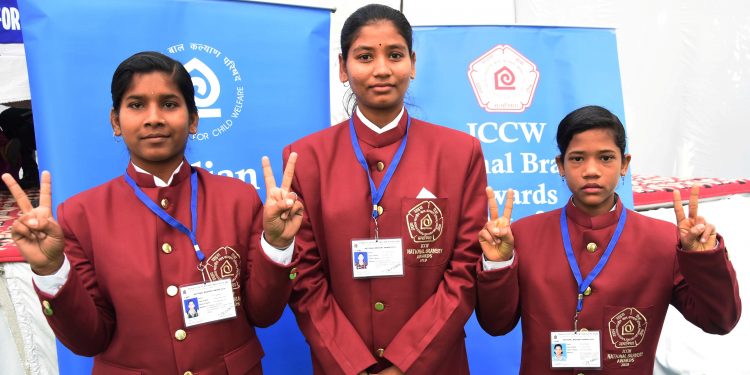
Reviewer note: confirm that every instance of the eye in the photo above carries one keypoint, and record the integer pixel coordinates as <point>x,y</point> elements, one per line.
<point>170,105</point>
<point>607,157</point>
<point>135,105</point>
<point>575,158</point>
<point>364,57</point>
<point>396,55</point>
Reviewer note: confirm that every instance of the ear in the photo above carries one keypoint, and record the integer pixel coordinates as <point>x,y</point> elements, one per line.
<point>115,121</point>
<point>193,124</point>
<point>343,77</point>
<point>413,65</point>
<point>625,165</point>
<point>560,165</point>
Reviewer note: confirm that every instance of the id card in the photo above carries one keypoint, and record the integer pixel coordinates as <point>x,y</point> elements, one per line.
<point>207,302</point>
<point>580,349</point>
<point>377,258</point>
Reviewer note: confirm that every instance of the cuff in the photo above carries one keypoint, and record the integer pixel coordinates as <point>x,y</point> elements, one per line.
<point>488,265</point>
<point>280,256</point>
<point>51,284</point>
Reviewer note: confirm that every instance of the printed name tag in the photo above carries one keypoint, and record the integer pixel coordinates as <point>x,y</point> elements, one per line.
<point>580,349</point>
<point>377,258</point>
<point>207,302</point>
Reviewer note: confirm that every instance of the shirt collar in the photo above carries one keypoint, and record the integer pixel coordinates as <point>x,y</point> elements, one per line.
<point>391,125</point>
<point>158,181</point>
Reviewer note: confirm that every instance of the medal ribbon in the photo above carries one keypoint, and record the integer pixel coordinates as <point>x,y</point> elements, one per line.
<point>583,284</point>
<point>377,194</point>
<point>167,217</point>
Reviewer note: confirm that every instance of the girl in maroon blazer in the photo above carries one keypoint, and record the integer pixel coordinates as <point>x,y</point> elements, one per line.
<point>404,196</point>
<point>595,278</point>
<point>117,273</point>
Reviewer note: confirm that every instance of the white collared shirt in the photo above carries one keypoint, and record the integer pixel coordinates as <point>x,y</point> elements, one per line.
<point>391,125</point>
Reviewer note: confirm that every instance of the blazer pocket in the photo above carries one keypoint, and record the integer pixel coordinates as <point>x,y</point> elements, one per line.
<point>104,367</point>
<point>422,232</point>
<point>244,359</point>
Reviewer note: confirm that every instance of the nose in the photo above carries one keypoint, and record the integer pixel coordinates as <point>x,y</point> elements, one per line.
<point>381,68</point>
<point>591,168</point>
<point>154,116</point>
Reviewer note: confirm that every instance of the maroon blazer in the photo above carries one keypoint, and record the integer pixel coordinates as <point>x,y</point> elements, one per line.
<point>115,304</point>
<point>416,321</point>
<point>629,299</point>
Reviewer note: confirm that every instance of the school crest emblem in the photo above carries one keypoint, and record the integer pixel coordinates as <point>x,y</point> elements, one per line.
<point>503,80</point>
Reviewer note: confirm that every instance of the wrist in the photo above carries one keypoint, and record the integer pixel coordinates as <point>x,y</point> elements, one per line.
<point>277,243</point>
<point>48,269</point>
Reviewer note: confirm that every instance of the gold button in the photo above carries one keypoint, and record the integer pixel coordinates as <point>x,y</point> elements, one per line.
<point>379,306</point>
<point>188,373</point>
<point>293,273</point>
<point>180,334</point>
<point>583,330</point>
<point>380,352</point>
<point>47,308</point>
<point>380,209</point>
<point>172,290</point>
<point>591,247</point>
<point>164,203</point>
<point>587,292</point>
<point>380,166</point>
<point>166,248</point>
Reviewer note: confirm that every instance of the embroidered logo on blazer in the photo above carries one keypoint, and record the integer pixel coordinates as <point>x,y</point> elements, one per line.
<point>224,263</point>
<point>425,222</point>
<point>627,328</point>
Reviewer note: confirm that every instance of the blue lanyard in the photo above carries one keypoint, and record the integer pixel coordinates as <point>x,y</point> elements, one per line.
<point>377,194</point>
<point>582,285</point>
<point>168,218</point>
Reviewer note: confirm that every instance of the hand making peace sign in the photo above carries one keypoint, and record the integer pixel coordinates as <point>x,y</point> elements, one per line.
<point>282,213</point>
<point>37,235</point>
<point>695,233</point>
<point>496,238</point>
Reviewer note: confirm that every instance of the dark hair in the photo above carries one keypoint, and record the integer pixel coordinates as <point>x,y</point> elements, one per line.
<point>587,118</point>
<point>369,14</point>
<point>558,345</point>
<point>147,62</point>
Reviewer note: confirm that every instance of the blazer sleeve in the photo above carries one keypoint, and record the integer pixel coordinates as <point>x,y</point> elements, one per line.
<point>498,298</point>
<point>438,324</point>
<point>82,318</point>
<point>268,284</point>
<point>705,289</point>
<point>333,340</point>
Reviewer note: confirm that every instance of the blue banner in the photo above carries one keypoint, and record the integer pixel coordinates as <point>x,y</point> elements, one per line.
<point>261,77</point>
<point>10,22</point>
<point>509,87</point>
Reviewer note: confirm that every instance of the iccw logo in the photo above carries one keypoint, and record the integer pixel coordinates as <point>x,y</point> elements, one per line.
<point>219,92</point>
<point>503,80</point>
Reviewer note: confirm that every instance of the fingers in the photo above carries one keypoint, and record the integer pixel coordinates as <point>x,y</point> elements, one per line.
<point>45,191</point>
<point>508,210</point>
<point>268,174</point>
<point>693,205</point>
<point>286,181</point>
<point>492,203</point>
<point>21,199</point>
<point>679,213</point>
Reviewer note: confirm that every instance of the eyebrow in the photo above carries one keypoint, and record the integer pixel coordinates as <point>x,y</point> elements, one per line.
<point>160,96</point>
<point>369,48</point>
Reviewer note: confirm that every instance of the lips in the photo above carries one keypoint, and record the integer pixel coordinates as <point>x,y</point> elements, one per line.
<point>592,188</point>
<point>155,136</point>
<point>382,86</point>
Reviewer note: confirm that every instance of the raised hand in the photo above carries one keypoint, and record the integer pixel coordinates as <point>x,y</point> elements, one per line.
<point>496,238</point>
<point>695,232</point>
<point>37,235</point>
<point>282,213</point>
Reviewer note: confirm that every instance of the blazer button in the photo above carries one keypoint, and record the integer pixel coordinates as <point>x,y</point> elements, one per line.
<point>380,165</point>
<point>172,290</point>
<point>164,203</point>
<point>587,292</point>
<point>293,273</point>
<point>380,352</point>
<point>188,373</point>
<point>47,308</point>
<point>379,306</point>
<point>591,247</point>
<point>378,208</point>
<point>166,248</point>
<point>180,334</point>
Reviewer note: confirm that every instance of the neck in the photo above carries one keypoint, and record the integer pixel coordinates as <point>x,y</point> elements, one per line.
<point>381,117</point>
<point>163,169</point>
<point>602,208</point>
